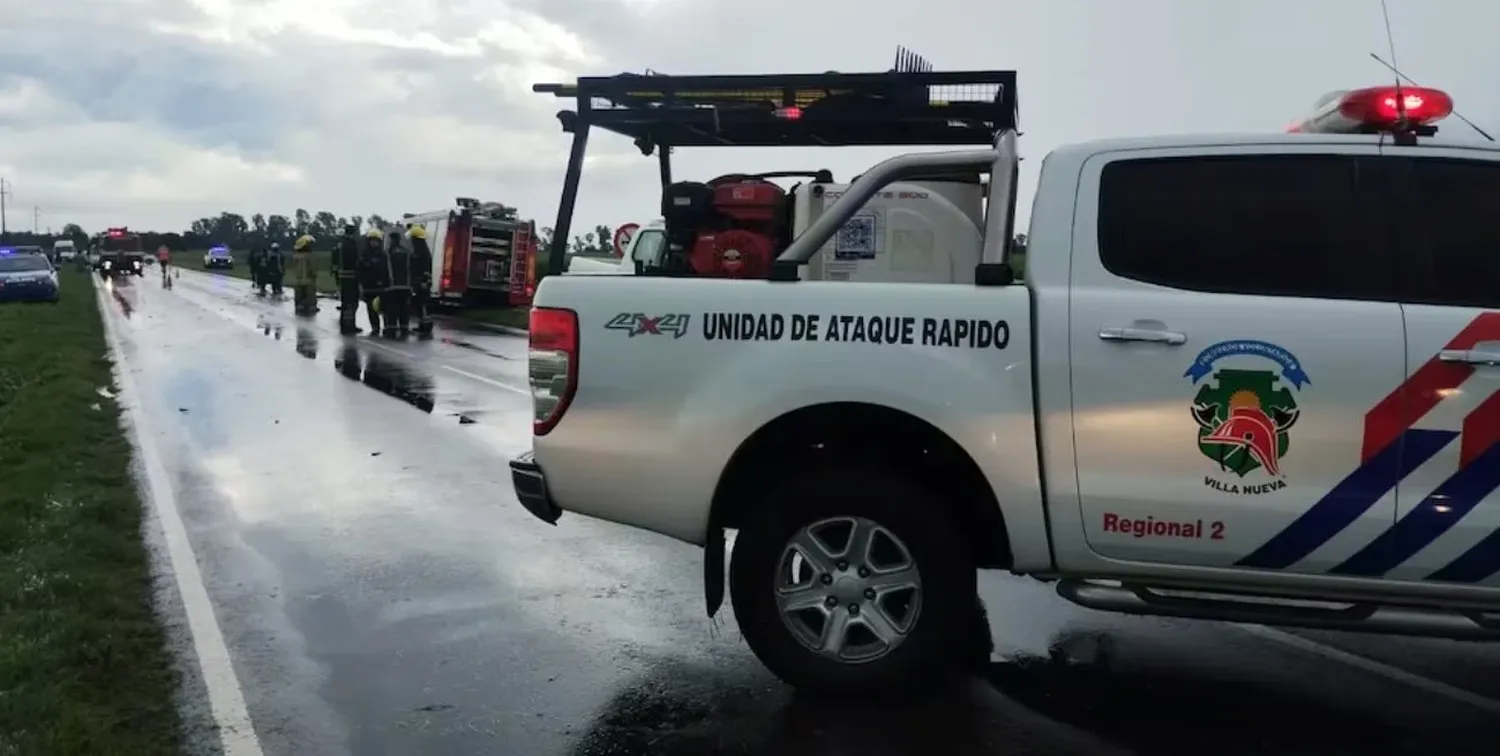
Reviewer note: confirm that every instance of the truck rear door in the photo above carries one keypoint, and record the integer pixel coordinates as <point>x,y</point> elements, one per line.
<point>1448,512</point>
<point>1232,321</point>
<point>491,250</point>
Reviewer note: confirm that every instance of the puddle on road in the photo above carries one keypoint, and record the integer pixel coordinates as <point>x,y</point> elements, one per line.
<point>356,359</point>
<point>389,377</point>
<point>680,709</point>
<point>1190,709</point>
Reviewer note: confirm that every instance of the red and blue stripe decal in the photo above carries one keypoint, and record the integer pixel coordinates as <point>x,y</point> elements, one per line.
<point>1392,449</point>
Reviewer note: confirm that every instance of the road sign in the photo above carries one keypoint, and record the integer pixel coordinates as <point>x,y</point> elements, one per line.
<point>623,235</point>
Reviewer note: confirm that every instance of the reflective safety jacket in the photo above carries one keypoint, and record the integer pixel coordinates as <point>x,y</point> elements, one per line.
<point>303,270</point>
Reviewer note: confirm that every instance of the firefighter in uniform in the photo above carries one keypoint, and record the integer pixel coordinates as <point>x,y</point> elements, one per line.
<point>257,254</point>
<point>346,271</point>
<point>272,269</point>
<point>421,279</point>
<point>374,276</point>
<point>396,301</point>
<point>304,277</point>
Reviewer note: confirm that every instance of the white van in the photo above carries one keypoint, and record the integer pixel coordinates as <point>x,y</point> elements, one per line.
<point>64,250</point>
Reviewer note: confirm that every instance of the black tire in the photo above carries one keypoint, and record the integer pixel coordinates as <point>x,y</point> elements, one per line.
<point>937,645</point>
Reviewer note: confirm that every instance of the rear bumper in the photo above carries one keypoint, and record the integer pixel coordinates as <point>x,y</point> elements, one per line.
<point>27,294</point>
<point>531,489</point>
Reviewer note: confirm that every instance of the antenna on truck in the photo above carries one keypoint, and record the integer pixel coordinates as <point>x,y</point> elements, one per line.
<point>1390,41</point>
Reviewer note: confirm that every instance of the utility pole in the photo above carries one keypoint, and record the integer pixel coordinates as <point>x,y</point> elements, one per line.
<point>36,218</point>
<point>3,191</point>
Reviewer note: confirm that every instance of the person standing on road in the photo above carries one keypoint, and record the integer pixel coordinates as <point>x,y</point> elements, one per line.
<point>397,299</point>
<point>272,268</point>
<point>421,278</point>
<point>304,277</point>
<point>253,260</point>
<point>374,276</point>
<point>163,260</point>
<point>346,271</point>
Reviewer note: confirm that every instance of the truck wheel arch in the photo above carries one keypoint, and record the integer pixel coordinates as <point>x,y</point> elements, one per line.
<point>840,432</point>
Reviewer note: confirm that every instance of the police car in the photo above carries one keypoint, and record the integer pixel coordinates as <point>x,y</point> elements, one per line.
<point>1252,378</point>
<point>218,258</point>
<point>27,277</point>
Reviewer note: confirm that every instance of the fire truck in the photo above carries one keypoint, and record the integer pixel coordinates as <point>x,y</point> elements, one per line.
<point>481,254</point>
<point>119,252</point>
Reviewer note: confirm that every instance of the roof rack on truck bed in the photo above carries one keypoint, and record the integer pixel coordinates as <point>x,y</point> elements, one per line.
<point>894,108</point>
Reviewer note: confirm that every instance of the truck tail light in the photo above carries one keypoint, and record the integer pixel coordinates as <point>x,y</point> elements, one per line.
<point>552,363</point>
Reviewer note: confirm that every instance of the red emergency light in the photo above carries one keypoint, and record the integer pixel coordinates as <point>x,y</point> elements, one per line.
<point>1376,109</point>
<point>791,113</point>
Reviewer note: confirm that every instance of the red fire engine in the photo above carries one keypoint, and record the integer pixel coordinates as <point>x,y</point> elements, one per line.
<point>481,254</point>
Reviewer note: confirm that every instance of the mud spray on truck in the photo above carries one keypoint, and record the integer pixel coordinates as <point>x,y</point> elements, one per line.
<point>1216,391</point>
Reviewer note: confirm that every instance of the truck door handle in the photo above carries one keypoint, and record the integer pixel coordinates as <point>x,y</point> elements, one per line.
<point>1470,356</point>
<point>1170,338</point>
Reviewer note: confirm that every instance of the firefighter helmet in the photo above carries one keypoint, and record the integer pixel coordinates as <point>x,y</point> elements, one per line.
<point>417,232</point>
<point>303,242</point>
<point>373,233</point>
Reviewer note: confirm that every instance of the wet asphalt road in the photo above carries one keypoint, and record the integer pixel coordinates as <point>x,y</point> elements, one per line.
<point>381,592</point>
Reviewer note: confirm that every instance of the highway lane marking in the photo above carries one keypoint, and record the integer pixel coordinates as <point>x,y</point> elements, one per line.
<point>1426,684</point>
<point>226,697</point>
<point>450,368</point>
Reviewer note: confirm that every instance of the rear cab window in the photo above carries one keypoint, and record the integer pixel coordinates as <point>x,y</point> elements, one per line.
<point>646,247</point>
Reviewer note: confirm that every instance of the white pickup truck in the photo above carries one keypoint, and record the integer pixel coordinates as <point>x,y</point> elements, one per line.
<point>1247,378</point>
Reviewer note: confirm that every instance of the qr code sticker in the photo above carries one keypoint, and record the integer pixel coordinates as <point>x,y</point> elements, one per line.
<point>857,239</point>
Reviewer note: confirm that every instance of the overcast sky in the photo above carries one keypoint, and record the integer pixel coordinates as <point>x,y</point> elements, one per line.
<point>154,112</point>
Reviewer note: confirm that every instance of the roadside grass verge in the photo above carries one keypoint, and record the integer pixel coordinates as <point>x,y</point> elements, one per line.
<point>84,667</point>
<point>194,261</point>
<point>515,317</point>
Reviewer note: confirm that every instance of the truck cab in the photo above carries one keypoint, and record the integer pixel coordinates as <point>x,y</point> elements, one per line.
<point>1217,392</point>
<point>120,253</point>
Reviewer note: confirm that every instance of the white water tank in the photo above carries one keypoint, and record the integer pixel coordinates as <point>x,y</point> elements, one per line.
<point>914,232</point>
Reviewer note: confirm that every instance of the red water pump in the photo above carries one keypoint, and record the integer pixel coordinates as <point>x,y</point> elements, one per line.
<point>731,227</point>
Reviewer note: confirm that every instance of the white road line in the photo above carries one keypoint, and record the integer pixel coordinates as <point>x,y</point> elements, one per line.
<point>226,698</point>
<point>1426,684</point>
<point>400,353</point>
<point>464,373</point>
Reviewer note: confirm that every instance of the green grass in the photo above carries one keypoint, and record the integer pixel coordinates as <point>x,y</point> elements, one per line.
<point>515,317</point>
<point>83,663</point>
<point>194,261</point>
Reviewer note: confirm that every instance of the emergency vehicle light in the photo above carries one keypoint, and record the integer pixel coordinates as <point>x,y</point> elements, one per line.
<point>1389,108</point>
<point>790,113</point>
<point>7,252</point>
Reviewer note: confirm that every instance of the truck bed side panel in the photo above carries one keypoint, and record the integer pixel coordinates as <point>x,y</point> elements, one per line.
<point>659,412</point>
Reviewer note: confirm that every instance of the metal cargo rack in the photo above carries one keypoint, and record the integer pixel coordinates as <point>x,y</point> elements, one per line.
<point>895,108</point>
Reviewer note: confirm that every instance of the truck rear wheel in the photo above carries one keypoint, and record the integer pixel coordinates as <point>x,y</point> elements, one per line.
<point>854,583</point>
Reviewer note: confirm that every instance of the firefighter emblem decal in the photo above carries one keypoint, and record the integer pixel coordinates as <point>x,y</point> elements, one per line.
<point>1245,411</point>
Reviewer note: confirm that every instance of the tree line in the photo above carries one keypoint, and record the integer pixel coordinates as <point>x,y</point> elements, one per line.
<point>240,232</point>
